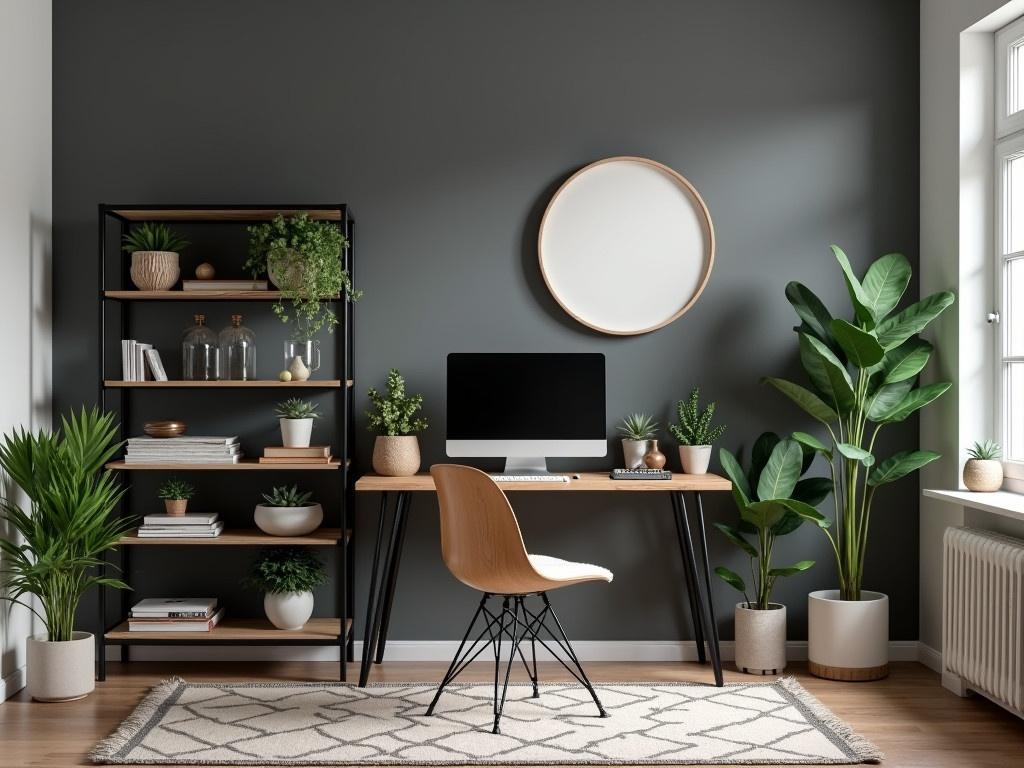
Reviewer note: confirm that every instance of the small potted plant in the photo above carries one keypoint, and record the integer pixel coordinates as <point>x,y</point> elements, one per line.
<point>296,418</point>
<point>176,494</point>
<point>638,430</point>
<point>154,248</point>
<point>287,512</point>
<point>396,451</point>
<point>983,472</point>
<point>695,433</point>
<point>773,501</point>
<point>286,577</point>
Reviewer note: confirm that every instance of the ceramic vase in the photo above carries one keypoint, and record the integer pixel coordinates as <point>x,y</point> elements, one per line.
<point>61,671</point>
<point>848,639</point>
<point>296,433</point>
<point>288,610</point>
<point>761,639</point>
<point>654,458</point>
<point>396,456</point>
<point>154,270</point>
<point>633,452</point>
<point>695,459</point>
<point>983,475</point>
<point>288,521</point>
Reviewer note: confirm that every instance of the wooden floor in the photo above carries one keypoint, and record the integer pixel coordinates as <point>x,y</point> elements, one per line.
<point>909,715</point>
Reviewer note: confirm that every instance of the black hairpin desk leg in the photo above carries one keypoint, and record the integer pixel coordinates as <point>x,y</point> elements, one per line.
<point>690,575</point>
<point>371,601</point>
<point>394,558</point>
<point>708,613</point>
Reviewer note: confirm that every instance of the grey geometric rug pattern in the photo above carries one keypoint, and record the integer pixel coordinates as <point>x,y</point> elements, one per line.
<point>336,724</point>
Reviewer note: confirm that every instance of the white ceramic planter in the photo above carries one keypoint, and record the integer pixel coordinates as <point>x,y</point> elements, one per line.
<point>288,610</point>
<point>397,456</point>
<point>983,475</point>
<point>295,433</point>
<point>61,671</point>
<point>288,521</point>
<point>633,452</point>
<point>761,639</point>
<point>848,639</point>
<point>695,459</point>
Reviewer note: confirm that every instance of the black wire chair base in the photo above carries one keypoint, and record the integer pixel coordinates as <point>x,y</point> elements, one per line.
<point>516,624</point>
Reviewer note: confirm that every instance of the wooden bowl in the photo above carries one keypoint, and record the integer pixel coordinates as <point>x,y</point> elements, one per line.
<point>168,428</point>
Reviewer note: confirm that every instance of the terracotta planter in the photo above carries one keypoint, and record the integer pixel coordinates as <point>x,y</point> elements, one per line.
<point>61,671</point>
<point>288,610</point>
<point>175,507</point>
<point>695,459</point>
<point>983,475</point>
<point>633,452</point>
<point>397,456</point>
<point>761,639</point>
<point>848,639</point>
<point>288,521</point>
<point>296,433</point>
<point>154,270</point>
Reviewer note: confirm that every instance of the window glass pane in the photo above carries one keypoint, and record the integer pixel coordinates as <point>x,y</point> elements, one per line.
<point>1014,412</point>
<point>1014,205</point>
<point>1013,307</point>
<point>1015,78</point>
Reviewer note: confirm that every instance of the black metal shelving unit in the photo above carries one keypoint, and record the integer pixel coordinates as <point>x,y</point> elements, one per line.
<point>336,631</point>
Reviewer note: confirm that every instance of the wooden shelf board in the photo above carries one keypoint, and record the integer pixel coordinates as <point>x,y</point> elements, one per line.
<point>243,537</point>
<point>245,464</point>
<point>200,296</point>
<point>253,384</point>
<point>221,214</point>
<point>242,631</point>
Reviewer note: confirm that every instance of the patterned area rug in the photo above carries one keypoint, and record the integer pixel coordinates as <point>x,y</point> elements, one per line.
<point>335,724</point>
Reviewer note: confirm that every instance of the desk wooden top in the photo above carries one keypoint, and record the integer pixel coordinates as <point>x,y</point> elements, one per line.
<point>582,481</point>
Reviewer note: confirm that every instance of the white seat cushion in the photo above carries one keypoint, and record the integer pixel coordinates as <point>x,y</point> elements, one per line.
<point>564,570</point>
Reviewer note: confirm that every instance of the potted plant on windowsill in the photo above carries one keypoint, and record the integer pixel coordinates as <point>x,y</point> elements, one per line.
<point>296,417</point>
<point>155,249</point>
<point>638,430</point>
<point>287,512</point>
<point>773,500</point>
<point>286,577</point>
<point>176,494</point>
<point>862,377</point>
<point>57,543</point>
<point>983,472</point>
<point>695,433</point>
<point>396,451</point>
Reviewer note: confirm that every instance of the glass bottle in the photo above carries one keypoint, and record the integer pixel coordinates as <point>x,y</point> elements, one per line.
<point>238,351</point>
<point>200,358</point>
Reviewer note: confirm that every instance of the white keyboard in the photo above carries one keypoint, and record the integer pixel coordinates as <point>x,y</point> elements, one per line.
<point>530,478</point>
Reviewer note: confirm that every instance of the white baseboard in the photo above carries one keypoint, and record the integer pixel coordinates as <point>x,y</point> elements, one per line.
<point>13,683</point>
<point>929,657</point>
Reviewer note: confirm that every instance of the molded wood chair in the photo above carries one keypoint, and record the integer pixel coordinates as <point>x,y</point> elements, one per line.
<point>483,548</point>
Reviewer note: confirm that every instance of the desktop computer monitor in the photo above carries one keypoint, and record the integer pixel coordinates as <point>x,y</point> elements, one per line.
<point>525,407</point>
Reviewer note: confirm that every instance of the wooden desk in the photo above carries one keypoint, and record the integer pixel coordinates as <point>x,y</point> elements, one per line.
<point>384,573</point>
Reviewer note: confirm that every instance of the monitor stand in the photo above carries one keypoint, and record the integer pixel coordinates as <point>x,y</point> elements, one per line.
<point>525,465</point>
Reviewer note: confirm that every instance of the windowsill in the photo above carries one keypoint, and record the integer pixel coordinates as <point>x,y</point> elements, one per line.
<point>1005,503</point>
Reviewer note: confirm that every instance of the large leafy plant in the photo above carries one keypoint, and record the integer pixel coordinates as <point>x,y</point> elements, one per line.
<point>393,413</point>
<point>773,500</point>
<point>68,524</point>
<point>862,375</point>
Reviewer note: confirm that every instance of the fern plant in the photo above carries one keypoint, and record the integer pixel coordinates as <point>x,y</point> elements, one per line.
<point>153,236</point>
<point>639,426</point>
<point>283,496</point>
<point>175,489</point>
<point>694,426</point>
<point>296,408</point>
<point>987,451</point>
<point>393,413</point>
<point>285,570</point>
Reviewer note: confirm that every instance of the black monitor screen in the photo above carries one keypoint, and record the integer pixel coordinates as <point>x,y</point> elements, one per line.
<point>529,396</point>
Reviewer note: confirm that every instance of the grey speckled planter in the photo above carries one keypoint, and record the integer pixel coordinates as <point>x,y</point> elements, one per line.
<point>397,456</point>
<point>61,671</point>
<point>761,639</point>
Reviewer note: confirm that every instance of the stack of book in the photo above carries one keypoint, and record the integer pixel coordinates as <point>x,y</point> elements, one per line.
<point>175,614</point>
<point>140,362</point>
<point>314,454</point>
<point>205,525</point>
<point>223,285</point>
<point>183,450</point>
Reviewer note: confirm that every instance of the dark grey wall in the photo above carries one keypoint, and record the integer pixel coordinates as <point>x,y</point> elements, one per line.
<point>447,126</point>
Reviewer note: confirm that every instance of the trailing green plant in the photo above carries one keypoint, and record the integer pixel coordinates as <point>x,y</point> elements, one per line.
<point>57,542</point>
<point>304,255</point>
<point>694,426</point>
<point>286,569</point>
<point>987,451</point>
<point>154,236</point>
<point>175,489</point>
<point>283,496</point>
<point>862,375</point>
<point>296,408</point>
<point>393,413</point>
<point>773,499</point>
<point>639,426</point>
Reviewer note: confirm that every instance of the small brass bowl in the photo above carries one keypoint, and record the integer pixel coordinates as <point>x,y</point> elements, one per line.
<point>169,428</point>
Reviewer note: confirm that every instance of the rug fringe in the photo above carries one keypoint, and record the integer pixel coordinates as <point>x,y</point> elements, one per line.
<point>863,748</point>
<point>106,750</point>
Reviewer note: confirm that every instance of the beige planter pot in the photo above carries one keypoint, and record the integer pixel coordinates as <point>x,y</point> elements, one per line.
<point>175,507</point>
<point>761,639</point>
<point>695,459</point>
<point>848,639</point>
<point>154,270</point>
<point>633,452</point>
<point>288,521</point>
<point>983,475</point>
<point>61,671</point>
<point>397,456</point>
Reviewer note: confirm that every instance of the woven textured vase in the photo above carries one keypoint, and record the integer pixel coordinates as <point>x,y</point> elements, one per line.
<point>396,456</point>
<point>155,270</point>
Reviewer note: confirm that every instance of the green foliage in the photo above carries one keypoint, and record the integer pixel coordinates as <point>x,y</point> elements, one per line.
<point>150,236</point>
<point>176,489</point>
<point>69,524</point>
<point>305,257</point>
<point>694,427</point>
<point>861,377</point>
<point>283,496</point>
<point>296,408</point>
<point>392,414</point>
<point>639,426</point>
<point>286,569</point>
<point>987,451</point>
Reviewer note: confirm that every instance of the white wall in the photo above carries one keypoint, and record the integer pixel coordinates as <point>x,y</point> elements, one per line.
<point>25,216</point>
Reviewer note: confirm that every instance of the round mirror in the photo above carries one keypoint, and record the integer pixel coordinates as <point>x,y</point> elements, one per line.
<point>626,245</point>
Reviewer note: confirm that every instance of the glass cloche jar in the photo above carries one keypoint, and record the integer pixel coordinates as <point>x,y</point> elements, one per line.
<point>200,356</point>
<point>238,351</point>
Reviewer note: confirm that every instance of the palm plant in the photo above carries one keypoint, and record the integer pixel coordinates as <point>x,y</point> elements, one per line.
<point>150,236</point>
<point>639,426</point>
<point>68,525</point>
<point>862,377</point>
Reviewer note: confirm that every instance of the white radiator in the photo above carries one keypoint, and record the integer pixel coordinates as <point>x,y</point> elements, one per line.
<point>983,615</point>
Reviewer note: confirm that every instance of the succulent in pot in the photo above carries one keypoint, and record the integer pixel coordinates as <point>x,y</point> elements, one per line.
<point>694,433</point>
<point>396,451</point>
<point>638,430</point>
<point>287,512</point>
<point>176,494</point>
<point>983,471</point>
<point>296,417</point>
<point>286,576</point>
<point>154,248</point>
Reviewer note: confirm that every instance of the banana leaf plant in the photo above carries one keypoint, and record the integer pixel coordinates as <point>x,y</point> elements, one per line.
<point>861,378</point>
<point>773,499</point>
